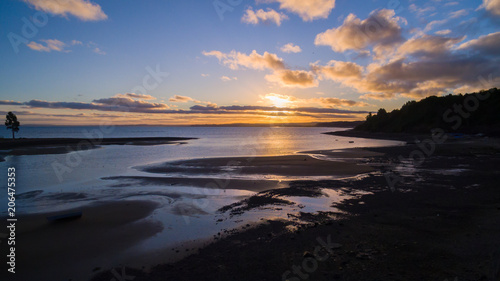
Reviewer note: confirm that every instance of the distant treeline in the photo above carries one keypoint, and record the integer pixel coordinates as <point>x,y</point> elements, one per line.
<point>470,113</point>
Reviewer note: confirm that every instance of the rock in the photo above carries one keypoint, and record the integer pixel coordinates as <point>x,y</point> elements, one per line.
<point>363,256</point>
<point>335,246</point>
<point>307,255</point>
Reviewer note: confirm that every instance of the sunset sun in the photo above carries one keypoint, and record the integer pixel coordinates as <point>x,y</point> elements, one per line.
<point>279,100</point>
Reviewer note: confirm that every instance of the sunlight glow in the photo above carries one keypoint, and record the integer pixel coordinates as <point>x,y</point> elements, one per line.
<point>280,100</point>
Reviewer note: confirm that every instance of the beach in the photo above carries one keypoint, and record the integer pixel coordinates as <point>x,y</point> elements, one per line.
<point>255,217</point>
<point>441,222</point>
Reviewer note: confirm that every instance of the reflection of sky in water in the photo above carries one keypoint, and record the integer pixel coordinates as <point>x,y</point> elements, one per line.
<point>36,172</point>
<point>84,185</point>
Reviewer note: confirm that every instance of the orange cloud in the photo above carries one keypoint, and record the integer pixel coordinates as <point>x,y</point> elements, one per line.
<point>82,9</point>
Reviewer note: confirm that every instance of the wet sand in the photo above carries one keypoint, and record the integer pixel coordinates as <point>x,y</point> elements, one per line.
<point>290,165</point>
<point>97,239</point>
<point>66,145</point>
<point>431,226</point>
<point>212,183</point>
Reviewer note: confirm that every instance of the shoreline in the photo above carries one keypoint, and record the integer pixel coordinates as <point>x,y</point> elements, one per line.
<point>37,142</point>
<point>447,224</point>
<point>40,146</point>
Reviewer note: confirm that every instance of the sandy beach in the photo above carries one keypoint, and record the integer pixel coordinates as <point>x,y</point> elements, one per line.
<point>40,146</point>
<point>52,250</point>
<point>441,222</point>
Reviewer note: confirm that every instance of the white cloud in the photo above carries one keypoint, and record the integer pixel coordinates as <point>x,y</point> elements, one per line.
<point>291,48</point>
<point>234,60</point>
<point>82,9</point>
<point>428,46</point>
<point>459,13</point>
<point>443,32</point>
<point>308,10</point>
<point>227,78</point>
<point>492,6</point>
<point>433,23</point>
<point>98,51</point>
<point>486,44</point>
<point>338,70</point>
<point>258,16</point>
<point>380,29</point>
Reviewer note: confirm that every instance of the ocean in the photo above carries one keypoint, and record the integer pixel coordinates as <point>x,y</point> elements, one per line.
<point>81,172</point>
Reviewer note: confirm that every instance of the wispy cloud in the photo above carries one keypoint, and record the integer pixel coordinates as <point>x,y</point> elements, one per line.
<point>50,45</point>
<point>82,9</point>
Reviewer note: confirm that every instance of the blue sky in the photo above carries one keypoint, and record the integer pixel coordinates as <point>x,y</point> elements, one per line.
<point>90,59</point>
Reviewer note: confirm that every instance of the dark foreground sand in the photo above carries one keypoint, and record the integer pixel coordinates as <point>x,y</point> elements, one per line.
<point>101,234</point>
<point>66,145</point>
<point>440,222</point>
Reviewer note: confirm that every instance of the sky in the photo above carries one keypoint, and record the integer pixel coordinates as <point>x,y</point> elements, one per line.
<point>165,62</point>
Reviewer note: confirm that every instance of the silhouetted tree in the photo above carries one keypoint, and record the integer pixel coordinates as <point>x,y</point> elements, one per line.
<point>12,123</point>
<point>445,112</point>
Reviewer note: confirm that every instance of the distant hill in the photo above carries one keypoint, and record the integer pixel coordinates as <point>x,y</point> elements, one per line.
<point>470,113</point>
<point>339,124</point>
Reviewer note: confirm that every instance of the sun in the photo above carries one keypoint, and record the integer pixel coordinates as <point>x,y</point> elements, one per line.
<point>279,100</point>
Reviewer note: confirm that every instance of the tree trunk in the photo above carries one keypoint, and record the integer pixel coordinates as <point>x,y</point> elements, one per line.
<point>13,137</point>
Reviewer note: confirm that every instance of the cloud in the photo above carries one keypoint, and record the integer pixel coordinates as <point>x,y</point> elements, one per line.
<point>428,46</point>
<point>98,51</point>
<point>330,102</point>
<point>492,6</point>
<point>178,98</point>
<point>130,103</point>
<point>281,74</point>
<point>234,60</point>
<point>443,32</point>
<point>82,9</point>
<point>308,10</point>
<point>205,75</point>
<point>486,44</point>
<point>50,45</point>
<point>459,13</point>
<point>227,78</point>
<point>269,16</point>
<point>293,78</point>
<point>433,23</point>
<point>291,48</point>
<point>339,70</point>
<point>381,29</point>
<point>250,108</point>
<point>423,78</point>
<point>123,105</point>
<point>136,96</point>
<point>421,11</point>
<point>10,102</point>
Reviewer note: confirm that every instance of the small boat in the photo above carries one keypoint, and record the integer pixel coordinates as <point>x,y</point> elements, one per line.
<point>64,217</point>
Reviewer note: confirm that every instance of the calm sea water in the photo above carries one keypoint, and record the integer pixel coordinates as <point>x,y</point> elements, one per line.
<point>83,171</point>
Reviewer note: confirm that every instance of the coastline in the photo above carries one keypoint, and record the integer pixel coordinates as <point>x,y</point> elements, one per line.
<point>442,219</point>
<point>40,146</point>
<point>449,199</point>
